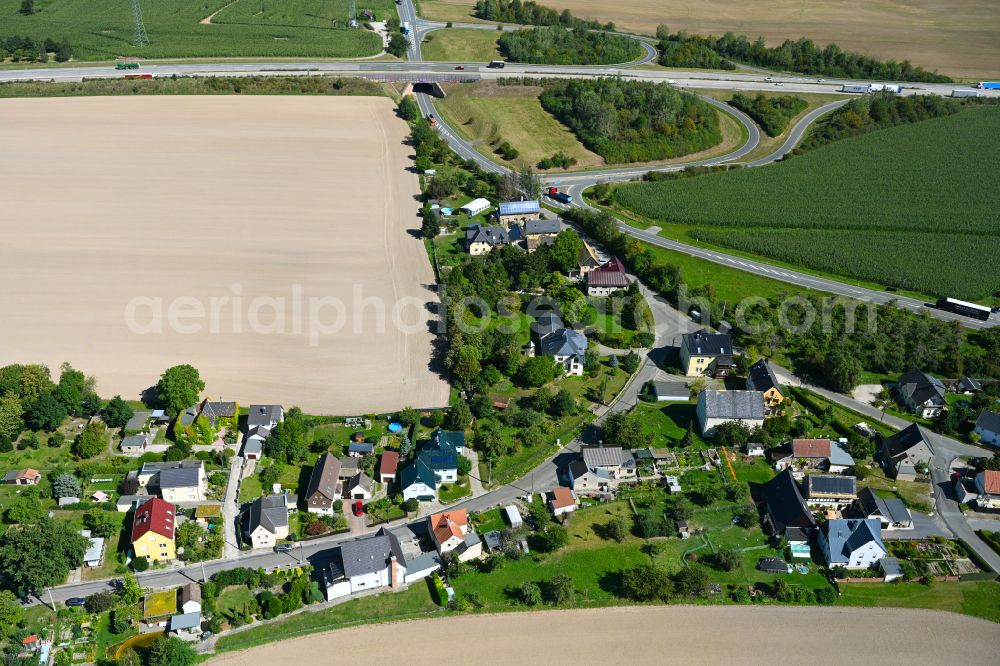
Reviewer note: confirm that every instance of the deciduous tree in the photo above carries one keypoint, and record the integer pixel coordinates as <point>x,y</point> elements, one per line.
<point>180,387</point>
<point>32,559</point>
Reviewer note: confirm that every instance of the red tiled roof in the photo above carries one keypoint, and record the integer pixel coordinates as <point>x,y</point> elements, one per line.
<point>449,524</point>
<point>811,448</point>
<point>611,274</point>
<point>562,497</point>
<point>33,638</point>
<point>28,474</point>
<point>991,482</point>
<point>389,462</point>
<point>156,516</point>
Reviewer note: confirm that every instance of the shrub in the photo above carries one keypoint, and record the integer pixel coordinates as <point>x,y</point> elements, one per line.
<point>140,564</point>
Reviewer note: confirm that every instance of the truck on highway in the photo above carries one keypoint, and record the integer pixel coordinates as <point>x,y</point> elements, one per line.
<point>885,87</point>
<point>496,64</point>
<point>126,65</point>
<point>855,88</point>
<point>964,92</point>
<point>964,308</point>
<point>988,85</point>
<point>561,197</point>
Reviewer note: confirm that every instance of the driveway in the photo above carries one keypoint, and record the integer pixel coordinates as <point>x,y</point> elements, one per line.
<point>231,509</point>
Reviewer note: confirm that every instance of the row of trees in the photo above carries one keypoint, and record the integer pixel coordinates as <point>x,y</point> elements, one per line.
<point>632,121</point>
<point>894,341</point>
<point>531,13</point>
<point>30,398</point>
<point>26,49</point>
<point>559,46</point>
<point>881,110</point>
<point>803,55</point>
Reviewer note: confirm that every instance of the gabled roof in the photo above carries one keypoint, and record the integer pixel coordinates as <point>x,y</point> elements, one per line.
<point>969,384</point>
<point>17,474</point>
<point>361,447</point>
<point>906,439</point>
<point>214,411</point>
<point>448,524</point>
<point>784,504</point>
<point>417,472</point>
<point>185,621</point>
<point>264,416</point>
<point>325,478</point>
<point>157,516</point>
<point>564,342</point>
<point>546,324</point>
<point>150,468</point>
<point>191,592</point>
<point>921,387</point>
<point>438,460</point>
<point>988,482</point>
<point>361,480</point>
<point>269,512</point>
<point>366,555</point>
<point>732,405</point>
<point>138,420</point>
<point>477,233</point>
<point>180,477</point>
<point>839,455</point>
<point>989,421</point>
<point>761,377</point>
<point>577,468</point>
<point>562,497</point>
<point>811,448</point>
<point>706,343</point>
<point>602,456</point>
<point>611,274</point>
<point>446,440</point>
<point>588,257</point>
<point>389,463</point>
<point>519,207</point>
<point>135,441</point>
<point>532,227</point>
<point>831,484</point>
<point>847,536</point>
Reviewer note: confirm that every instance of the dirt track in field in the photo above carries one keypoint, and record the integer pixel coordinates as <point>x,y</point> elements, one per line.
<point>270,235</point>
<point>955,37</point>
<point>656,635</point>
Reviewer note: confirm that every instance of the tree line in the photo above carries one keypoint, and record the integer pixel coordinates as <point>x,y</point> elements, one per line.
<point>895,341</point>
<point>26,49</point>
<point>577,46</point>
<point>772,113</point>
<point>880,110</point>
<point>531,13</point>
<point>632,121</point>
<point>803,55</point>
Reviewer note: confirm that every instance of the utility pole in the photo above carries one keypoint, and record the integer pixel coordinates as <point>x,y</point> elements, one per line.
<point>302,553</point>
<point>140,38</point>
<point>204,576</point>
<point>51,600</point>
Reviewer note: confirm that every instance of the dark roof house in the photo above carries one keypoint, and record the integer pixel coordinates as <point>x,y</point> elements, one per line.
<point>324,484</point>
<point>762,378</point>
<point>610,275</point>
<point>783,506</point>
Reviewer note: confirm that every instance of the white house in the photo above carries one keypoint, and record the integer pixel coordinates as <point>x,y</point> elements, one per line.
<point>988,428</point>
<point>135,445</point>
<point>582,479</point>
<point>854,543</point>
<point>383,560</point>
<point>360,487</point>
<point>417,481</point>
<point>451,533</point>
<point>563,501</point>
<point>717,407</point>
<point>191,598</point>
<point>266,521</point>
<point>261,419</point>
<point>607,278</point>
<point>179,481</point>
<point>566,346</point>
<point>609,462</point>
<point>922,394</point>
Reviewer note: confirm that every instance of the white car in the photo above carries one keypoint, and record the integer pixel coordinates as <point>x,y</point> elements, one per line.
<point>768,78</point>
<point>779,83</point>
<point>820,80</point>
<point>671,82</point>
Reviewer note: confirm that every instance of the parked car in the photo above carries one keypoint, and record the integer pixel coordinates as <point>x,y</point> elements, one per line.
<point>75,601</point>
<point>359,508</point>
<point>283,548</point>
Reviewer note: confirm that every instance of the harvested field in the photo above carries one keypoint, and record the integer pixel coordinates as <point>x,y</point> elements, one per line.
<point>955,37</point>
<point>743,635</point>
<point>260,239</point>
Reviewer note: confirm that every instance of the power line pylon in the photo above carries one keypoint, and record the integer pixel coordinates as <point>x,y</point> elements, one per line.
<point>140,38</point>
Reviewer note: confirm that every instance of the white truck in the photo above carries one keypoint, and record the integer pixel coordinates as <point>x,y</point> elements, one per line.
<point>965,92</point>
<point>885,87</point>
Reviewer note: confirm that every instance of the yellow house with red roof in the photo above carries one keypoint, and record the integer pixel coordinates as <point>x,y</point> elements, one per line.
<point>153,530</point>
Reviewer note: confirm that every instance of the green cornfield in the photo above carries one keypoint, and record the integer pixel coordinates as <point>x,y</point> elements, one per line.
<point>103,29</point>
<point>913,206</point>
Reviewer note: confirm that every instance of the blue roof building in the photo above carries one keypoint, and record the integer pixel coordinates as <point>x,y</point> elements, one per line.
<point>518,209</point>
<point>447,440</point>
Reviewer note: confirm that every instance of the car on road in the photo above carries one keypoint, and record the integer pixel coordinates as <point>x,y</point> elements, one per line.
<point>359,508</point>
<point>768,79</point>
<point>75,601</point>
<point>283,548</point>
<point>459,68</point>
<point>820,80</point>
<point>779,83</point>
<point>671,82</point>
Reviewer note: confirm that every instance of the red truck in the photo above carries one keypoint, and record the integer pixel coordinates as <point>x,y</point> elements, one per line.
<point>561,197</point>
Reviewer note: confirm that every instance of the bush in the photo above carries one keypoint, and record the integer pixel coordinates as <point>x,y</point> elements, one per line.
<point>101,602</point>
<point>559,160</point>
<point>140,564</point>
<point>507,151</point>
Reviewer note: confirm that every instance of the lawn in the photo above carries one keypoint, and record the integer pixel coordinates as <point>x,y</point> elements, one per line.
<point>972,598</point>
<point>103,29</point>
<point>807,210</point>
<point>461,45</point>
<point>234,596</point>
<point>489,114</point>
<point>666,425</point>
<point>489,521</point>
<point>386,607</point>
<point>455,491</point>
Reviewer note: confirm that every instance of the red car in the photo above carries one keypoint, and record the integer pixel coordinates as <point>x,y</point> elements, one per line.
<point>460,68</point>
<point>359,508</point>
